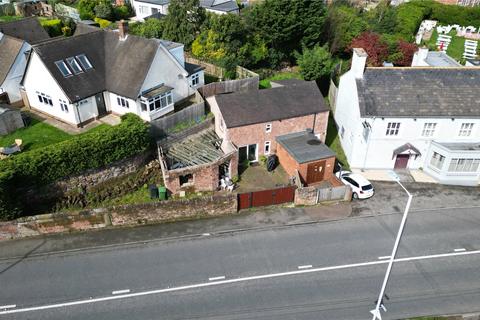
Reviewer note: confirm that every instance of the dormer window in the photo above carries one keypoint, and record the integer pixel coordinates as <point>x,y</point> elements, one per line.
<point>86,65</point>
<point>63,68</point>
<point>74,65</point>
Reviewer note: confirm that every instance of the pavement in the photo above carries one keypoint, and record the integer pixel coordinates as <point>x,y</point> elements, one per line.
<point>328,270</point>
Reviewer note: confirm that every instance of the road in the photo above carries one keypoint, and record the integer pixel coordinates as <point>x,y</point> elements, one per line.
<point>327,270</point>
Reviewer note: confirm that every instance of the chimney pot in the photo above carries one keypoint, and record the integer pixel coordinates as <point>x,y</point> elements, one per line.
<point>123,29</point>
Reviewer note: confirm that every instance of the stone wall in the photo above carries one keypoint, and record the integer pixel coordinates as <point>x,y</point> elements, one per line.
<point>10,120</point>
<point>127,215</point>
<point>308,196</point>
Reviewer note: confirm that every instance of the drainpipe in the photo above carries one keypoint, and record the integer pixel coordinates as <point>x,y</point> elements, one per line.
<point>368,145</point>
<point>78,114</point>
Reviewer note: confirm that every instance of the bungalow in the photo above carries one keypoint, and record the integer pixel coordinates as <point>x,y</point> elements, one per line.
<point>252,120</point>
<point>147,8</point>
<point>411,118</point>
<point>16,39</point>
<point>97,71</point>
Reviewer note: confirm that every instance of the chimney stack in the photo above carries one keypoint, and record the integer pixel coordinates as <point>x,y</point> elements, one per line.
<point>359,60</point>
<point>123,29</point>
<point>419,57</point>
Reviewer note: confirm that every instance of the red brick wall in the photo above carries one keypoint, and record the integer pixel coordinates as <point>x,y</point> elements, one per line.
<point>255,133</point>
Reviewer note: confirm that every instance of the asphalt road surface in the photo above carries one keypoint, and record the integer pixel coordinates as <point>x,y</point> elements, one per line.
<point>328,270</point>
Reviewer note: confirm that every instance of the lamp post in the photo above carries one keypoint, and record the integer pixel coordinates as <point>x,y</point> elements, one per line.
<point>379,303</point>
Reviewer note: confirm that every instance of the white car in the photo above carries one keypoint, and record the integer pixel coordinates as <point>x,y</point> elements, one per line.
<point>361,187</point>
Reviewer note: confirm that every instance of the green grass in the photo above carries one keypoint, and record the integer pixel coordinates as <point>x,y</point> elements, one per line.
<point>456,47</point>
<point>39,134</point>
<point>265,83</point>
<point>9,18</point>
<point>333,142</point>
<point>142,195</point>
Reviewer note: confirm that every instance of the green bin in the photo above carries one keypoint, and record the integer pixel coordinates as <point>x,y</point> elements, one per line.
<point>162,193</point>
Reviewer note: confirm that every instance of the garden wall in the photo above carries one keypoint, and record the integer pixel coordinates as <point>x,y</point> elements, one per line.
<point>127,215</point>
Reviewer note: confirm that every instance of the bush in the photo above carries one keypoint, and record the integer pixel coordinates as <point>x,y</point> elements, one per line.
<point>52,26</point>
<point>43,166</point>
<point>103,10</point>
<point>103,23</point>
<point>122,12</point>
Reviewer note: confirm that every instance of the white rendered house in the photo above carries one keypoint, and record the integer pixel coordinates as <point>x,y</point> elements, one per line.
<point>411,118</point>
<point>84,77</point>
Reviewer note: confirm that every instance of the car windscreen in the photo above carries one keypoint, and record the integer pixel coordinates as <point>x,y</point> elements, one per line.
<point>367,187</point>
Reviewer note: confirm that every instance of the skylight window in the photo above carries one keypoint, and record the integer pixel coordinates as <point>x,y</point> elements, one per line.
<point>63,68</point>
<point>74,65</point>
<point>84,61</point>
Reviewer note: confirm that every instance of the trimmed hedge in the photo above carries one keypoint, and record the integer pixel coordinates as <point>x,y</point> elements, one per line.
<point>43,166</point>
<point>52,26</point>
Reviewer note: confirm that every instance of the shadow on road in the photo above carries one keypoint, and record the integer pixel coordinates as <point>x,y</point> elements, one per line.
<point>25,256</point>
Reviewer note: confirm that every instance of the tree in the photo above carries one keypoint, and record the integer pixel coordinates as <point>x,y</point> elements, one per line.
<point>182,24</point>
<point>104,10</point>
<point>315,63</point>
<point>86,9</point>
<point>406,50</point>
<point>151,28</point>
<point>376,49</point>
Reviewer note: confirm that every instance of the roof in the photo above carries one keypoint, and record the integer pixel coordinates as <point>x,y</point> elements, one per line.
<point>192,68</point>
<point>82,28</point>
<point>5,108</point>
<point>119,66</point>
<point>286,82</point>
<point>9,50</point>
<point>156,15</point>
<point>406,147</point>
<point>28,29</point>
<point>461,146</point>
<point>441,59</point>
<point>260,106</point>
<point>220,5</point>
<point>419,92</point>
<point>157,2</point>
<point>305,147</point>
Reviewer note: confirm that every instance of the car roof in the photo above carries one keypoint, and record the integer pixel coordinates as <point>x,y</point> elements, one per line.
<point>359,179</point>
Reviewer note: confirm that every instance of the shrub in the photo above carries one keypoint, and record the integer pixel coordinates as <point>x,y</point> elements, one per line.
<point>103,23</point>
<point>42,166</point>
<point>122,12</point>
<point>52,26</point>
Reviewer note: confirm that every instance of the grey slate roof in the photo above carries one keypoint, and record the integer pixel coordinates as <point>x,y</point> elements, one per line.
<point>118,66</point>
<point>419,92</point>
<point>192,68</point>
<point>9,50</point>
<point>28,29</point>
<point>440,59</point>
<point>157,2</point>
<point>304,147</point>
<point>220,5</point>
<point>259,106</point>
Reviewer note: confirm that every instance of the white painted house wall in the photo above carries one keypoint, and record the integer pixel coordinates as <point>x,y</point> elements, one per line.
<point>11,84</point>
<point>118,109</point>
<point>39,79</point>
<point>87,109</point>
<point>144,9</point>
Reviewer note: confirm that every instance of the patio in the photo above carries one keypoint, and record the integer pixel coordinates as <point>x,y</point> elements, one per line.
<point>256,177</point>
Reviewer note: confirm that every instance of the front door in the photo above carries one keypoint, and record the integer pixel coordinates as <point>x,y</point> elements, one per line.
<point>102,110</point>
<point>315,172</point>
<point>252,152</point>
<point>401,162</point>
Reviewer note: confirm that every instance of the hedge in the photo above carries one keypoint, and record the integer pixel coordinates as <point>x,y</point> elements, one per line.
<point>43,166</point>
<point>102,22</point>
<point>52,26</point>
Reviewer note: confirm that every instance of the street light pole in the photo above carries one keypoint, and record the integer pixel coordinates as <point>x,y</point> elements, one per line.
<point>376,311</point>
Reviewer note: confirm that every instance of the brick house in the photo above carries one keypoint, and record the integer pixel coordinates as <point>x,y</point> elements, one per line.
<point>252,120</point>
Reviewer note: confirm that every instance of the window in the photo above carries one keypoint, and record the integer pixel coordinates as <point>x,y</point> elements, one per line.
<point>268,128</point>
<point>342,132</point>
<point>63,68</point>
<point>437,160</point>
<point>122,102</point>
<point>160,102</point>
<point>429,129</point>
<point>366,130</point>
<point>84,62</point>
<point>466,130</point>
<point>392,128</point>
<point>143,105</point>
<point>74,65</point>
<point>186,179</point>
<point>144,9</point>
<point>463,165</point>
<point>267,147</point>
<point>195,79</point>
<point>63,105</point>
<point>43,98</point>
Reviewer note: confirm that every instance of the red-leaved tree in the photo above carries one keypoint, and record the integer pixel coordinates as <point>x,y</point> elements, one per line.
<point>376,49</point>
<point>405,52</point>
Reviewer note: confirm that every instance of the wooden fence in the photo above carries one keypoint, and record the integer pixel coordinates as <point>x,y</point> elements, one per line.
<point>159,128</point>
<point>209,68</point>
<point>266,197</point>
<point>229,86</point>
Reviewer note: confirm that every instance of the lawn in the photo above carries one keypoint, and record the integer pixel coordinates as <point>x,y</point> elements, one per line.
<point>9,18</point>
<point>142,195</point>
<point>333,142</point>
<point>256,177</point>
<point>39,134</point>
<point>265,83</point>
<point>456,47</point>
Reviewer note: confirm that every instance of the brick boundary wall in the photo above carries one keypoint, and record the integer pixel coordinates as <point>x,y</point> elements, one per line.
<point>127,215</point>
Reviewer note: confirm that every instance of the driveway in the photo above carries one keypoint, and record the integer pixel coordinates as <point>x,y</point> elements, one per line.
<point>390,198</point>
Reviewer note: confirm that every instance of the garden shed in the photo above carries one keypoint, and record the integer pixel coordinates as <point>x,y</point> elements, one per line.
<point>10,119</point>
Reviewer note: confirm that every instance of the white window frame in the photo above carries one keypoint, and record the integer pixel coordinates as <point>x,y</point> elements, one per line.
<point>268,147</point>
<point>429,129</point>
<point>159,102</point>
<point>195,79</point>
<point>60,64</point>
<point>74,65</point>
<point>437,160</point>
<point>144,9</point>
<point>45,98</point>
<point>123,102</point>
<point>268,128</point>
<point>84,62</point>
<point>464,165</point>
<point>63,105</point>
<point>466,129</point>
<point>392,129</point>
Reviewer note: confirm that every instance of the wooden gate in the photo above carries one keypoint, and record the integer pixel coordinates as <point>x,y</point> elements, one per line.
<point>266,197</point>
